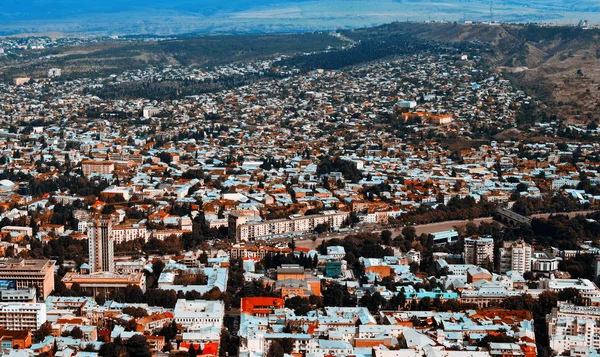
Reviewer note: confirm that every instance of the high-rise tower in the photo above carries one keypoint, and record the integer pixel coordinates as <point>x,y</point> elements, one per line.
<point>101,244</point>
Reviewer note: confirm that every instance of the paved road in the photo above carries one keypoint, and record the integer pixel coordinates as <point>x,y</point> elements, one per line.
<point>570,214</point>
<point>420,229</point>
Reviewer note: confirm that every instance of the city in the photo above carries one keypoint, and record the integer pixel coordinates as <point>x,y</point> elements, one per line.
<point>416,204</point>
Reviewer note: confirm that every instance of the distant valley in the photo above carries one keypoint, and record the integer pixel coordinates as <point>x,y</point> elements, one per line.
<point>269,16</point>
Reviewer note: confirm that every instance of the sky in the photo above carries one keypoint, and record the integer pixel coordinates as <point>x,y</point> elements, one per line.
<point>222,16</point>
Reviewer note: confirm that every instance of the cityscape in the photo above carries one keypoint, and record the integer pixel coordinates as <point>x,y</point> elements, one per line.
<point>364,193</point>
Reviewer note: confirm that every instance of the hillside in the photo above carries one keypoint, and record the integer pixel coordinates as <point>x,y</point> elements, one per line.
<point>112,57</point>
<point>560,65</point>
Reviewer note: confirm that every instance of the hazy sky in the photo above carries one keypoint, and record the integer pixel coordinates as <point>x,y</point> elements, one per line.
<point>223,16</point>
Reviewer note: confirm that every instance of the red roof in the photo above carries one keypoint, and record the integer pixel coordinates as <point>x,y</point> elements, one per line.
<point>210,348</point>
<point>253,305</point>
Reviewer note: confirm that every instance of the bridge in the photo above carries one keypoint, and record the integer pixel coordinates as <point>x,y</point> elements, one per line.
<point>510,217</point>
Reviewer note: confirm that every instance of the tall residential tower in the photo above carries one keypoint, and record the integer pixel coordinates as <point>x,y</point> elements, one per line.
<point>101,244</point>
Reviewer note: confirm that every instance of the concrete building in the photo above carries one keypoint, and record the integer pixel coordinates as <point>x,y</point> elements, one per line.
<point>27,273</point>
<point>129,232</point>
<point>17,229</point>
<point>104,282</point>
<point>479,251</point>
<point>101,245</point>
<point>195,315</point>
<point>98,167</point>
<point>445,237</point>
<point>20,316</point>
<point>573,326</point>
<point>295,224</point>
<point>515,256</point>
<point>544,262</point>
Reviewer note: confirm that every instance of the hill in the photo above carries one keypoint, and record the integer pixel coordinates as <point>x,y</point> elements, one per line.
<point>559,64</point>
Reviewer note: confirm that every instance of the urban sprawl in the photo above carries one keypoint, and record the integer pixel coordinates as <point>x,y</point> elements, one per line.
<point>359,212</point>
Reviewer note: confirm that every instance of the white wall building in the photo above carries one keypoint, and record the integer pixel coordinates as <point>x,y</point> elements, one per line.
<point>195,315</point>
<point>20,316</point>
<point>515,256</point>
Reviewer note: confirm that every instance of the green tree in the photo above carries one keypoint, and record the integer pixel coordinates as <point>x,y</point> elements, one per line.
<point>44,330</point>
<point>137,346</point>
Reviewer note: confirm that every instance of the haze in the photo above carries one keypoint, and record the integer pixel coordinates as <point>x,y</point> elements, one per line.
<point>252,16</point>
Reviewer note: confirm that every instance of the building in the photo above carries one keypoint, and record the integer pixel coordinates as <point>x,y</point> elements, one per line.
<point>149,112</point>
<point>54,72</point>
<point>28,231</point>
<point>259,251</point>
<point>25,273</point>
<point>21,80</point>
<point>544,262</point>
<point>244,231</point>
<point>18,295</point>
<point>18,339</point>
<point>129,232</point>
<point>573,326</point>
<point>97,167</point>
<point>479,251</point>
<point>290,271</point>
<point>194,315</point>
<point>333,268</point>
<point>445,237</point>
<point>104,282</point>
<point>101,244</point>
<point>515,256</point>
<point>21,316</point>
<point>260,306</point>
<point>587,289</point>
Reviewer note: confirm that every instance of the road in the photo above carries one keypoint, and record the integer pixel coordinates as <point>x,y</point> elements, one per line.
<point>420,229</point>
<point>570,214</point>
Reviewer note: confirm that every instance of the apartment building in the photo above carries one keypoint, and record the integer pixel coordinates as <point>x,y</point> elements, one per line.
<point>129,232</point>
<point>295,224</point>
<point>97,167</point>
<point>572,326</point>
<point>21,316</point>
<point>29,273</point>
<point>515,256</point>
<point>479,251</point>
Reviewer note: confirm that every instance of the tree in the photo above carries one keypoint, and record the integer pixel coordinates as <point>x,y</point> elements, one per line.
<point>386,237</point>
<point>100,299</point>
<point>44,330</point>
<point>287,344</point>
<point>299,304</point>
<point>275,350</point>
<point>136,346</point>
<point>409,233</point>
<point>521,187</point>
<point>76,332</point>
<point>192,351</point>
<point>372,302</point>
<point>337,295</point>
<point>135,312</point>
<point>321,228</point>
<point>546,301</point>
